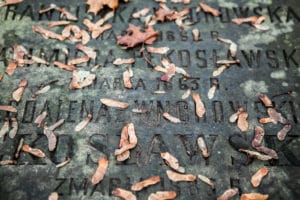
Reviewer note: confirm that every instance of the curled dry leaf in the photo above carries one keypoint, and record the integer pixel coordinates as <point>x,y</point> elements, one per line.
<point>8,108</point>
<point>141,13</point>
<point>242,122</point>
<point>283,132</point>
<point>172,161</point>
<point>17,94</point>
<point>77,61</point>
<point>187,93</point>
<point>64,66</point>
<point>220,70</point>
<point>46,34</point>
<point>207,181</point>
<point>266,100</point>
<point>258,136</point>
<point>87,51</point>
<point>120,61</point>
<point>53,196</point>
<point>157,50</point>
<point>52,140</point>
<point>95,6</point>
<point>64,163</point>
<point>228,194</point>
<point>64,12</point>
<point>208,9</point>
<point>135,36</point>
<point>9,2</point>
<point>114,103</point>
<point>232,47</point>
<point>100,171</point>
<point>162,195</point>
<point>20,145</point>
<point>83,123</point>
<point>200,108</point>
<point>202,147</point>
<point>40,118</point>
<point>99,30</point>
<point>254,196</point>
<point>14,128</point>
<point>33,151</point>
<point>124,140</point>
<point>196,34</point>
<point>81,80</point>
<point>145,183</point>
<point>258,176</point>
<point>171,118</point>
<point>164,13</point>
<point>123,194</point>
<point>4,128</point>
<point>58,23</point>
<point>132,141</point>
<point>255,154</point>
<point>176,177</point>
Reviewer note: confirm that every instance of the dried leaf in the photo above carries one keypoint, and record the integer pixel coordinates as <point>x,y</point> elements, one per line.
<point>39,60</point>
<point>157,50</point>
<point>172,161</point>
<point>10,69</point>
<point>239,21</point>
<point>4,128</point>
<point>145,183</point>
<point>83,123</point>
<point>207,181</point>
<point>176,177</point>
<point>124,140</point>
<point>220,69</point>
<point>171,118</point>
<point>17,94</point>
<point>211,91</point>
<point>14,128</point>
<point>242,122</point>
<point>99,30</point>
<point>64,163</point>
<point>135,36</point>
<point>255,154</point>
<point>114,103</point>
<point>42,90</point>
<point>283,132</point>
<point>276,116</point>
<point>200,108</point>
<point>33,151</point>
<point>53,196</point>
<point>127,78</point>
<point>228,194</point>
<point>258,176</point>
<point>140,13</point>
<point>57,124</point>
<point>77,61</point>
<point>46,34</point>
<point>187,93</point>
<point>8,108</point>
<point>62,10</point>
<point>124,194</point>
<point>81,80</point>
<point>100,171</point>
<point>170,70</point>
<point>52,140</point>
<point>162,195</point>
<point>85,37</point>
<point>164,13</point>
<point>270,152</point>
<point>132,140</point>
<point>232,47</point>
<point>255,21</point>
<point>266,100</point>
<point>58,23</point>
<point>254,196</point>
<point>20,145</point>
<point>120,61</point>
<point>258,136</point>
<point>64,66</point>
<point>202,147</point>
<point>206,8</point>
<point>95,6</point>
<point>87,51</point>
<point>182,71</point>
<point>9,2</point>
<point>196,34</point>
<point>181,1</point>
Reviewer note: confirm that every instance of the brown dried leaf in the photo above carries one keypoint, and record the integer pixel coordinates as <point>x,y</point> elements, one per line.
<point>266,100</point>
<point>207,181</point>
<point>46,34</point>
<point>124,194</point>
<point>254,196</point>
<point>255,154</point>
<point>171,118</point>
<point>220,69</point>
<point>8,108</point>
<point>232,47</point>
<point>127,78</point>
<point>135,36</point>
<point>64,66</point>
<point>162,195</point>
<point>283,132</point>
<point>33,151</point>
<point>18,93</point>
<point>8,162</point>
<point>141,13</point>
<point>78,61</point>
<point>9,2</point>
<point>100,171</point>
<point>172,161</point>
<point>258,136</point>
<point>242,122</point>
<point>58,23</point>
<point>14,128</point>
<point>114,103</point>
<point>181,1</point>
<point>211,91</point>
<point>158,50</point>
<point>53,196</point>
<point>239,21</point>
<point>202,146</point>
<point>276,116</point>
<point>145,183</point>
<point>87,51</point>
<point>83,123</point>
<point>10,69</point>
<point>95,6</point>
<point>228,194</point>
<point>200,108</point>
<point>39,60</point>
<point>176,177</point>
<point>99,30</point>
<point>40,118</point>
<point>132,140</point>
<point>52,140</point>
<point>270,152</point>
<point>206,8</point>
<point>258,176</point>
<point>120,61</point>
<point>5,128</point>
<point>85,37</point>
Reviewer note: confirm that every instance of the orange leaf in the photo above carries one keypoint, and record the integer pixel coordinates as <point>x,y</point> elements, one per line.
<point>95,6</point>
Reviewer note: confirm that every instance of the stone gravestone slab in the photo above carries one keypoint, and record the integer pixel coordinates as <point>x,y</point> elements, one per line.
<point>268,63</point>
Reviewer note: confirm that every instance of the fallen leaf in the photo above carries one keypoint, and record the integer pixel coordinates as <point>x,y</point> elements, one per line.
<point>100,171</point>
<point>202,146</point>
<point>127,78</point>
<point>87,51</point>
<point>8,108</point>
<point>181,1</point>
<point>46,34</point>
<point>124,140</point>
<point>120,61</point>
<point>14,128</point>
<point>132,140</point>
<point>258,136</point>
<point>64,163</point>
<point>212,90</point>
<point>53,196</point>
<point>162,195</point>
<point>64,66</point>
<point>33,151</point>
<point>43,90</point>
<point>228,194</point>
<point>196,34</point>
<point>255,21</point>
<point>207,181</point>
<point>159,92</point>
<point>254,196</point>
<point>135,36</point>
<point>266,100</point>
<point>99,30</point>
<point>77,61</point>
<point>239,21</point>
<point>255,154</point>
<point>95,6</point>
<point>58,23</point>
<point>1,76</point>
<point>157,50</point>
<point>171,118</point>
<point>220,70</point>
<point>200,108</point>
<point>85,37</point>
<point>83,123</point>
<point>170,70</point>
<point>172,161</point>
<point>270,152</point>
<point>276,116</point>
<point>140,13</point>
<point>145,183</point>
<point>20,145</point>
<point>164,13</point>
<point>124,194</point>
<point>17,94</point>
<point>208,9</point>
<point>9,2</point>
<point>176,177</point>
<point>39,60</point>
<point>187,93</point>
<point>62,10</point>
<point>232,46</point>
<point>10,69</point>
<point>242,122</point>
<point>81,80</point>
<point>114,103</point>
<point>8,162</point>
<point>283,132</point>
<point>258,176</point>
<point>5,128</point>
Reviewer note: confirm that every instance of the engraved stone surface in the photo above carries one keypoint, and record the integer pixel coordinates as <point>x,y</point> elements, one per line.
<point>269,64</point>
